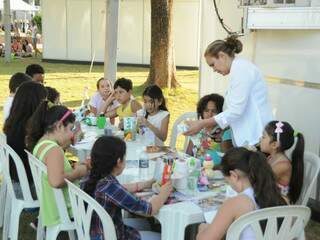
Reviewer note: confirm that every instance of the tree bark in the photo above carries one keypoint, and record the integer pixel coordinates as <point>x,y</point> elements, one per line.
<point>162,65</point>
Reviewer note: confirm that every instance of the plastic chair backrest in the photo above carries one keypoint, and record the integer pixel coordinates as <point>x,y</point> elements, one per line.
<point>294,219</point>
<point>311,171</point>
<point>39,169</point>
<point>3,140</point>
<point>174,132</point>
<point>83,206</point>
<point>8,155</point>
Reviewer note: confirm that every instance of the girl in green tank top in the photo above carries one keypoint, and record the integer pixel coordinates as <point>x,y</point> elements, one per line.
<point>50,132</point>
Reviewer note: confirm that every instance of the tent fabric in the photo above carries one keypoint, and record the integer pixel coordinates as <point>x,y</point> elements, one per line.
<point>19,5</point>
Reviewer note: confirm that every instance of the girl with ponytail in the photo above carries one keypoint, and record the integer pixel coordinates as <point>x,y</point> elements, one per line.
<point>277,138</point>
<point>50,131</point>
<point>108,161</point>
<point>249,174</point>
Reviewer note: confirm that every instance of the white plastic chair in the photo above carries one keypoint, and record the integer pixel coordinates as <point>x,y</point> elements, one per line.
<point>38,168</point>
<point>3,190</point>
<point>174,132</point>
<point>83,207</point>
<point>311,171</point>
<point>13,205</point>
<point>295,218</point>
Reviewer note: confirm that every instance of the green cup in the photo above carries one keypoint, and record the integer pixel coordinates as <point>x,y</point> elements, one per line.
<point>101,122</point>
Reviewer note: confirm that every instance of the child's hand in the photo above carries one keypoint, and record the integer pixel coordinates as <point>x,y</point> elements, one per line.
<point>82,170</point>
<point>87,163</point>
<point>142,121</point>
<point>166,189</point>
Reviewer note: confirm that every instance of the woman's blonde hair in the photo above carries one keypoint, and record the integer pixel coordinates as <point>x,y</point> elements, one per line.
<point>231,46</point>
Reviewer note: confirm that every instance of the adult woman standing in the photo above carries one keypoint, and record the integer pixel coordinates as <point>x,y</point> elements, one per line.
<point>247,109</point>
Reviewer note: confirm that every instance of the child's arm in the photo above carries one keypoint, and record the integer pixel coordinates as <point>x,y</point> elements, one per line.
<point>226,141</point>
<point>106,103</point>
<point>226,145</point>
<point>138,186</point>
<point>220,224</point>
<point>111,114</point>
<point>135,106</point>
<point>55,166</point>
<point>281,169</point>
<point>161,133</point>
<point>230,210</point>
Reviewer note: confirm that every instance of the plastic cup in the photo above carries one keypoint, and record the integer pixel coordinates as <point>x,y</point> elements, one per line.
<point>101,122</point>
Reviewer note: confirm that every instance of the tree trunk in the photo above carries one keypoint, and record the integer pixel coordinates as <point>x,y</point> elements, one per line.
<point>162,65</point>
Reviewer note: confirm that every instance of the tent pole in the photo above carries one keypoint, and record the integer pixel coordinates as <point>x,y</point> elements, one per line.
<point>111,33</point>
<point>7,25</point>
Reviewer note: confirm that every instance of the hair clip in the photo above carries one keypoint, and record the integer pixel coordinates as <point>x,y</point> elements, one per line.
<point>64,117</point>
<point>278,130</point>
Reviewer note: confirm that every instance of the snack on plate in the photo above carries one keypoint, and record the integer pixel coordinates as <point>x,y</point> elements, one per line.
<point>152,149</point>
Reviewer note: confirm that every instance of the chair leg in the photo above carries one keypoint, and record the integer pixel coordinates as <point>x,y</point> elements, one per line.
<point>40,230</point>
<point>6,221</point>
<point>71,234</point>
<point>52,233</point>
<point>3,202</point>
<point>14,220</point>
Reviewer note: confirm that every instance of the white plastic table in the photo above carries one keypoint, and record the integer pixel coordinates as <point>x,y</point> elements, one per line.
<point>83,149</point>
<point>174,218</point>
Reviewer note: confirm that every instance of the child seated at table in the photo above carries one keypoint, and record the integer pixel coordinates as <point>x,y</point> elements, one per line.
<point>277,138</point>
<point>15,81</point>
<point>155,115</point>
<point>53,95</point>
<point>51,130</point>
<point>103,101</point>
<point>249,174</point>
<point>211,140</point>
<point>123,93</point>
<point>103,185</point>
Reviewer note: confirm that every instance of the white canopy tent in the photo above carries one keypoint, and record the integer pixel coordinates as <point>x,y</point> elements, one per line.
<point>18,5</point>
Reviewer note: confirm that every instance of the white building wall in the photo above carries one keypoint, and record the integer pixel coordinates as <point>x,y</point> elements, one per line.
<point>77,28</point>
<point>284,57</point>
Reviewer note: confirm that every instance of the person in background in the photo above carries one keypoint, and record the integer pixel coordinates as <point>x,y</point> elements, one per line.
<point>34,31</point>
<point>103,185</point>
<point>211,140</point>
<point>155,115</point>
<point>28,97</point>
<point>36,72</point>
<point>15,81</point>
<point>250,175</point>
<point>103,101</point>
<point>123,94</point>
<point>53,95</point>
<point>277,138</point>
<point>16,47</point>
<point>27,49</point>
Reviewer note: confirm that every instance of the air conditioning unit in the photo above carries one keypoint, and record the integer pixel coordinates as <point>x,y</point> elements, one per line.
<point>274,3</point>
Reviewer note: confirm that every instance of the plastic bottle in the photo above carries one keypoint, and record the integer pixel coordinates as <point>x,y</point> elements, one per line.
<point>143,159</point>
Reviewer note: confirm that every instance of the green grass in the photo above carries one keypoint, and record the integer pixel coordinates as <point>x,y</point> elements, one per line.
<point>70,80</point>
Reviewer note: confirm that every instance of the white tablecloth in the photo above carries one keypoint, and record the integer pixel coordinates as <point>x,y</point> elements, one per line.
<point>174,218</point>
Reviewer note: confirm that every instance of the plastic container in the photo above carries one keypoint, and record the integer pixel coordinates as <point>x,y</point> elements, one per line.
<point>101,121</point>
<point>143,159</point>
